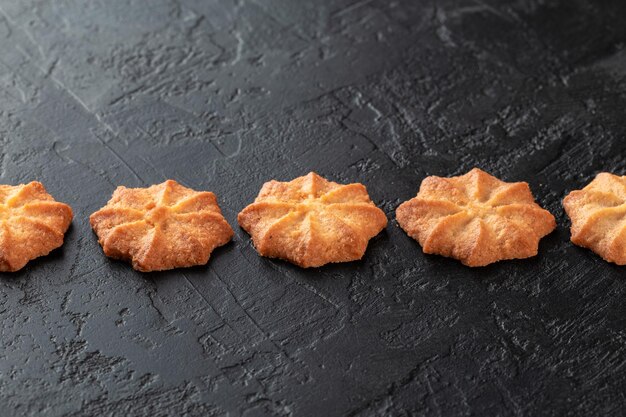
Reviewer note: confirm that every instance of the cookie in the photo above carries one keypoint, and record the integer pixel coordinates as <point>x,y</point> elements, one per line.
<point>310,221</point>
<point>32,224</point>
<point>598,214</point>
<point>475,218</point>
<point>161,227</point>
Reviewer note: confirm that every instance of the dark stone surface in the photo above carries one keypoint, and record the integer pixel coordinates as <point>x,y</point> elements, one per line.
<point>223,95</point>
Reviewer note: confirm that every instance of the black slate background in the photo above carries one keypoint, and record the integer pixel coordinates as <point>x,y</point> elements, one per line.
<point>223,95</point>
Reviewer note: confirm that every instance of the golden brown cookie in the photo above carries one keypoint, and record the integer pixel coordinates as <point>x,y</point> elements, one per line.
<point>161,227</point>
<point>598,214</point>
<point>475,218</point>
<point>311,221</point>
<point>32,224</point>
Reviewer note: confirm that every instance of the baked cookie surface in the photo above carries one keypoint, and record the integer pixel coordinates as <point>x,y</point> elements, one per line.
<point>598,214</point>
<point>475,218</point>
<point>32,224</point>
<point>310,221</point>
<point>161,227</point>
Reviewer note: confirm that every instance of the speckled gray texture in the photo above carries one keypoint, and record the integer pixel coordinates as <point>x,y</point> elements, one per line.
<point>223,95</point>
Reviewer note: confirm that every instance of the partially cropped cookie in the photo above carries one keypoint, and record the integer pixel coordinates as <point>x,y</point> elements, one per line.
<point>475,218</point>
<point>32,224</point>
<point>161,227</point>
<point>598,215</point>
<point>311,221</point>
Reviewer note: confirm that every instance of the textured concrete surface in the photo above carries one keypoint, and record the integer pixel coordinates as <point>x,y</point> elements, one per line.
<point>222,95</point>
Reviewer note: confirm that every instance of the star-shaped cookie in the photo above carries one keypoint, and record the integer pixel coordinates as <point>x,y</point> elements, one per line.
<point>161,227</point>
<point>475,218</point>
<point>32,224</point>
<point>311,221</point>
<point>598,215</point>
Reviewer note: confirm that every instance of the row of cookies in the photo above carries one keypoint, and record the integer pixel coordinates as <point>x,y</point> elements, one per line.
<point>309,221</point>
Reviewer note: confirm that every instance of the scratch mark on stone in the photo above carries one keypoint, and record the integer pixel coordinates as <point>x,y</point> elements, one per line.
<point>118,156</point>
<point>91,271</point>
<point>239,48</point>
<point>308,287</point>
<point>252,320</point>
<point>68,159</point>
<point>495,11</point>
<point>151,295</point>
<point>351,7</point>
<point>208,304</point>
